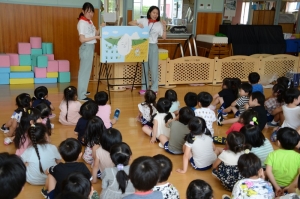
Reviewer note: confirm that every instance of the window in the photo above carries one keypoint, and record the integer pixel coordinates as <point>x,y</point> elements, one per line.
<point>245,13</point>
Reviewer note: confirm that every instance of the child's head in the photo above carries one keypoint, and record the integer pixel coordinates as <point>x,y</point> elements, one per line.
<point>41,92</point>
<point>120,155</point>
<point>190,99</point>
<point>77,182</point>
<point>45,112</point>
<point>163,105</point>
<point>292,96</point>
<point>284,81</point>
<point>278,91</point>
<point>185,115</point>
<point>171,95</point>
<point>165,165</point>
<point>236,142</point>
<point>12,175</point>
<point>245,89</point>
<point>23,101</point>
<point>94,131</point>
<point>249,165</point>
<point>199,189</point>
<point>197,126</point>
<point>144,173</point>
<point>257,99</point>
<point>110,137</point>
<point>70,93</point>
<point>204,98</point>
<point>227,83</point>
<point>288,138</point>
<point>150,97</point>
<point>101,98</point>
<point>37,134</point>
<point>249,116</point>
<point>253,78</point>
<point>88,109</point>
<point>70,149</point>
<point>253,135</point>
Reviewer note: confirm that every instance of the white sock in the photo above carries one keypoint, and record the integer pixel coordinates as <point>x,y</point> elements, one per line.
<point>273,122</point>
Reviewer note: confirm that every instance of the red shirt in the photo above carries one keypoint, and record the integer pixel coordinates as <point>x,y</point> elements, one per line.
<point>235,127</point>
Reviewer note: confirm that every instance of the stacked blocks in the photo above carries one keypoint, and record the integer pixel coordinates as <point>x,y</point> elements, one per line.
<point>64,77</point>
<point>14,59</point>
<point>4,69</point>
<point>24,48</point>
<point>36,42</point>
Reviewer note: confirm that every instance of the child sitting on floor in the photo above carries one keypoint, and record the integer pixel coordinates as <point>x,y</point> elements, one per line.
<point>172,96</point>
<point>199,189</point>
<point>253,79</point>
<point>256,103</point>
<point>190,100</point>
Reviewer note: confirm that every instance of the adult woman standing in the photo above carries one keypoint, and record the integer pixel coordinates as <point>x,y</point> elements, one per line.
<point>156,28</point>
<point>87,36</point>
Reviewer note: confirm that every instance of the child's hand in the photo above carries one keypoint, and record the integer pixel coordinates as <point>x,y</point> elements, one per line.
<point>279,191</point>
<point>153,140</point>
<point>180,171</point>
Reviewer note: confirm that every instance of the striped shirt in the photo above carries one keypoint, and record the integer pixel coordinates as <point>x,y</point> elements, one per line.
<point>263,151</point>
<point>241,101</point>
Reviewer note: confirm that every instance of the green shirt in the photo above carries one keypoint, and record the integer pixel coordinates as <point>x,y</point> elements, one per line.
<point>285,165</point>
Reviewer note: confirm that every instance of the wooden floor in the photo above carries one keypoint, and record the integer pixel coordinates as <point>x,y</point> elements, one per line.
<point>131,130</point>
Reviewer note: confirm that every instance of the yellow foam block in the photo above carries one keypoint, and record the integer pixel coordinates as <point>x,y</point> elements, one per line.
<point>52,74</point>
<point>22,81</point>
<point>20,68</point>
<point>163,54</point>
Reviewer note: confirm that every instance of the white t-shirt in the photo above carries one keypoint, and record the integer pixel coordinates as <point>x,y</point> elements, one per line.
<point>161,125</point>
<point>291,117</point>
<point>87,29</point>
<point>208,115</point>
<point>48,154</point>
<point>155,29</point>
<point>145,110</point>
<point>202,150</point>
<point>229,157</point>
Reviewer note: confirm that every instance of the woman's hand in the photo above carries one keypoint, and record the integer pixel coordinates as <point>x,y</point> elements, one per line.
<point>97,37</point>
<point>140,25</point>
<point>103,24</point>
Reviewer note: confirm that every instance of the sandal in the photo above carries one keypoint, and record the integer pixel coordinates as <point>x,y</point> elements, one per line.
<point>219,140</point>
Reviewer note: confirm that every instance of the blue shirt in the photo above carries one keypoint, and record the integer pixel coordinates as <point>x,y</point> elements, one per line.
<point>257,87</point>
<point>38,101</point>
<point>80,128</point>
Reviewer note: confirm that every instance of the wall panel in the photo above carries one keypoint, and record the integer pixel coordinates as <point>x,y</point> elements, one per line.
<point>208,23</point>
<point>54,24</point>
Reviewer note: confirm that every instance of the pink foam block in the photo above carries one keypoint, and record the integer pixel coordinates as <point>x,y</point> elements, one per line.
<point>14,59</point>
<point>50,57</point>
<point>36,42</point>
<point>4,61</point>
<point>40,72</point>
<point>24,48</point>
<point>52,66</point>
<point>63,66</point>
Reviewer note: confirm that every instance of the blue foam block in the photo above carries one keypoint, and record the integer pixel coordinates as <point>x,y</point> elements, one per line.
<point>4,70</point>
<point>42,61</point>
<point>25,60</point>
<point>4,78</point>
<point>45,80</point>
<point>36,51</point>
<point>64,77</point>
<point>21,75</point>
<point>47,48</point>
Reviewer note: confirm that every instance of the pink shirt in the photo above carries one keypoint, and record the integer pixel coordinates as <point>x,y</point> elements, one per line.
<point>23,147</point>
<point>104,113</point>
<point>105,160</point>
<point>73,112</point>
<point>235,127</point>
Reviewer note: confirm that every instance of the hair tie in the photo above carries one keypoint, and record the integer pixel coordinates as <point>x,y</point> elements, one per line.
<point>24,109</point>
<point>247,151</point>
<point>120,167</point>
<point>42,98</point>
<point>29,111</point>
<point>254,119</point>
<point>32,125</point>
<point>251,122</point>
<point>69,88</point>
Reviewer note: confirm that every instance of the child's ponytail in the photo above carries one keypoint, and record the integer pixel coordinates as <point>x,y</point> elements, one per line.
<point>32,132</point>
<point>23,102</point>
<point>150,100</point>
<point>197,126</point>
<point>120,154</point>
<point>168,117</point>
<point>70,94</point>
<point>236,142</point>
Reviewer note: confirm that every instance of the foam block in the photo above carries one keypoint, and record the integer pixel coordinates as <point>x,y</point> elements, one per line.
<point>45,80</point>
<point>63,66</point>
<point>4,60</point>
<point>4,78</point>
<point>47,48</point>
<point>25,60</point>
<point>64,77</point>
<point>16,75</point>
<point>42,61</point>
<point>4,70</point>
<point>50,57</point>
<point>14,59</point>
<point>34,60</point>
<point>52,74</point>
<point>21,81</point>
<point>40,72</point>
<point>24,48</point>
<point>52,66</point>
<point>36,42</point>
<point>36,51</point>
<point>20,68</point>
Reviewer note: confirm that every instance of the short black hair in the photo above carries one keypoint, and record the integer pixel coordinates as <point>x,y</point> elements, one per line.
<point>171,95</point>
<point>40,92</point>
<point>12,175</point>
<point>144,173</point>
<point>185,115</point>
<point>254,78</point>
<point>199,189</point>
<point>77,182</point>
<point>70,149</point>
<point>259,96</point>
<point>88,109</point>
<point>290,95</point>
<point>109,138</point>
<point>284,81</point>
<point>150,10</point>
<point>163,105</point>
<point>236,142</point>
<point>253,135</point>
<point>101,98</point>
<point>165,165</point>
<point>190,99</point>
<point>246,87</point>
<point>288,138</point>
<point>204,98</point>
<point>249,165</point>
